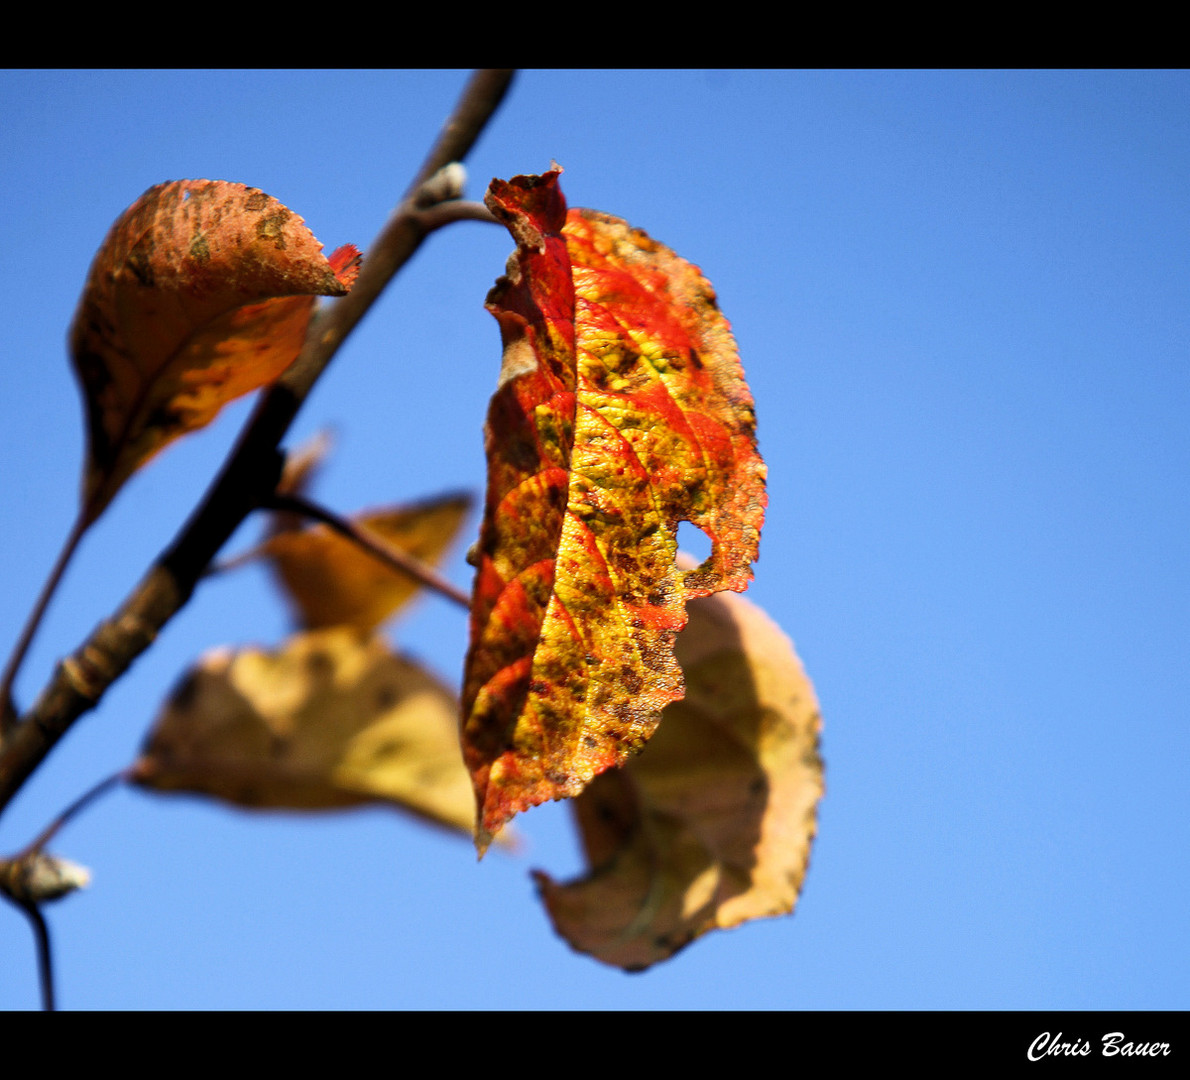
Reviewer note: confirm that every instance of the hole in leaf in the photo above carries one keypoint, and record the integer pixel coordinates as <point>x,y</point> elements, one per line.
<point>693,541</point>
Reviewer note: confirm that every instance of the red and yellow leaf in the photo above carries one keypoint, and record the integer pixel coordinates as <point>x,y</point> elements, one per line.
<point>201,293</point>
<point>621,411</point>
<point>712,825</point>
<point>331,719</point>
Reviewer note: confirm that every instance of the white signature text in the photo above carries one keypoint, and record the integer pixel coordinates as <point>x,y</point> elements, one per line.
<point>1113,1043</point>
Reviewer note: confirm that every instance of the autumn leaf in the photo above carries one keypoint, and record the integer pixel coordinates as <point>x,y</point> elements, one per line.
<point>328,720</point>
<point>621,411</point>
<point>201,293</point>
<point>332,581</point>
<point>712,824</point>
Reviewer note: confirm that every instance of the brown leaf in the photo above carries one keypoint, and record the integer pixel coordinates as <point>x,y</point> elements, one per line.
<point>621,411</point>
<point>329,720</point>
<point>201,293</point>
<point>712,824</point>
<point>332,581</point>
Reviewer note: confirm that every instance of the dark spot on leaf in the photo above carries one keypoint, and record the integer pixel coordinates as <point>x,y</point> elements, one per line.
<point>258,200</point>
<point>138,263</point>
<point>388,748</point>
<point>320,665</point>
<point>272,228</point>
<point>163,421</point>
<point>278,746</point>
<point>199,251</point>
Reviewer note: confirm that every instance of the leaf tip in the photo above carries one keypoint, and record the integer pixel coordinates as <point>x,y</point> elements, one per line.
<point>529,206</point>
<point>345,263</point>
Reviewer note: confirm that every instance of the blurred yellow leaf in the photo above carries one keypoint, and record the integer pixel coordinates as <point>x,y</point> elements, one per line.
<point>711,825</point>
<point>328,720</point>
<point>332,581</point>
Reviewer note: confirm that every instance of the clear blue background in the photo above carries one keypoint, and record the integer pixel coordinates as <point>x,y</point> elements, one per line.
<point>961,301</point>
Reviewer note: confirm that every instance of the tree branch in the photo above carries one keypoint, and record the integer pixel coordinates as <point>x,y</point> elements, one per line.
<point>251,472</point>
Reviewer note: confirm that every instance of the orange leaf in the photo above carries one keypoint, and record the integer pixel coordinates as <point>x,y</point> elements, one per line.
<point>621,411</point>
<point>201,293</point>
<point>711,826</point>
<point>332,581</point>
<point>328,720</point>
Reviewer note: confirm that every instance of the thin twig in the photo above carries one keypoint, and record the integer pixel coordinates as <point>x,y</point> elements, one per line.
<point>51,830</point>
<point>45,961</point>
<point>31,877</point>
<point>249,476</point>
<point>434,217</point>
<point>8,710</point>
<point>391,556</point>
<point>15,893</point>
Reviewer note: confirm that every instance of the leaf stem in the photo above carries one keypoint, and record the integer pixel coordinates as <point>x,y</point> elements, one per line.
<point>90,795</point>
<point>8,711</point>
<point>391,556</point>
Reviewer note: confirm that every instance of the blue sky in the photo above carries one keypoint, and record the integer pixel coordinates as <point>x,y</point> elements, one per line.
<point>961,301</point>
